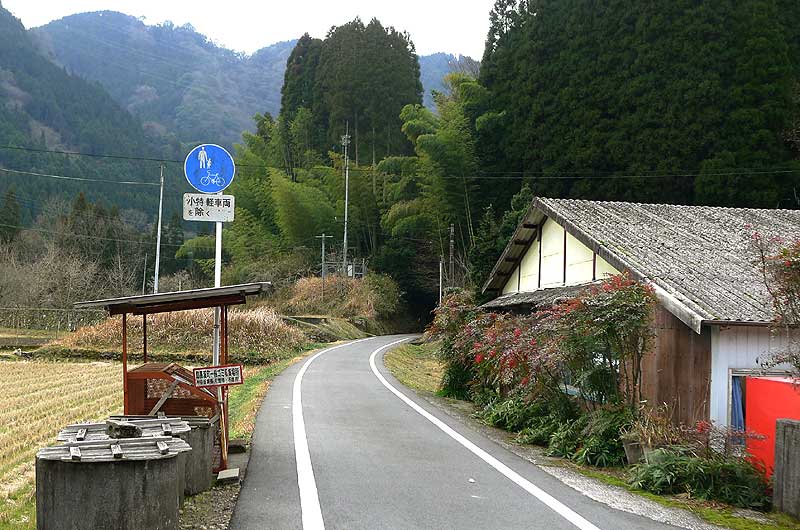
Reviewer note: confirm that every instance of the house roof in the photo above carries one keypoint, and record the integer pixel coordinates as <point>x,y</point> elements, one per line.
<point>541,297</point>
<point>178,300</point>
<point>699,259</point>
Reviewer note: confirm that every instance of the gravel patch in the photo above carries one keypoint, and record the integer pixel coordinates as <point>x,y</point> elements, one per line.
<point>210,510</point>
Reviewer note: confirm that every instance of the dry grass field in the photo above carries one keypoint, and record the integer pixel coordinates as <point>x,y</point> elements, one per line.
<point>38,398</point>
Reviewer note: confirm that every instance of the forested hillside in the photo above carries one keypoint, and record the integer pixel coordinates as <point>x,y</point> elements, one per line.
<point>176,80</point>
<point>687,102</point>
<point>180,84</point>
<point>45,108</point>
<point>700,97</point>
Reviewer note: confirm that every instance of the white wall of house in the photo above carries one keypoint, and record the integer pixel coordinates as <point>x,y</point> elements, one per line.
<point>512,283</point>
<point>581,264</point>
<point>736,348</point>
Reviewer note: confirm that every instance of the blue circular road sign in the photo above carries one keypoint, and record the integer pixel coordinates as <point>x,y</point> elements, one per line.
<point>209,168</point>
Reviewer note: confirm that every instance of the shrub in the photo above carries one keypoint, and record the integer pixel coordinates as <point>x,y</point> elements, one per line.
<point>729,479</point>
<point>375,296</point>
<point>591,439</point>
<point>565,441</point>
<point>511,414</point>
<point>601,443</point>
<point>449,320</point>
<point>549,414</point>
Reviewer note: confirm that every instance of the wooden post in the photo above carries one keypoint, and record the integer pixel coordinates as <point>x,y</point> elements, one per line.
<point>144,337</point>
<point>125,361</point>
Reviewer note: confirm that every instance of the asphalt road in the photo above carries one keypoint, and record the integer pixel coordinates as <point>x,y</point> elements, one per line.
<point>362,452</point>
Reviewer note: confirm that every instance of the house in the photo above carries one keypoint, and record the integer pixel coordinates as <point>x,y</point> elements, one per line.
<point>712,321</point>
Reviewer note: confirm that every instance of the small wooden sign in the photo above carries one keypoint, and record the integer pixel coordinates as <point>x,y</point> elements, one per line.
<point>231,374</point>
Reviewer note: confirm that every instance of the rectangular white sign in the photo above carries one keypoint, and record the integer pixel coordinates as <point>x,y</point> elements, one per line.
<point>218,376</point>
<point>205,207</point>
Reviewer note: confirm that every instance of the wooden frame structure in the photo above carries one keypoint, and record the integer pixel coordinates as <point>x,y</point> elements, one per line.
<point>168,378</point>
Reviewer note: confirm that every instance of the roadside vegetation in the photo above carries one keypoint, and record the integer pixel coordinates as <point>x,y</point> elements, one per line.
<point>566,379</point>
<point>256,335</point>
<point>416,366</point>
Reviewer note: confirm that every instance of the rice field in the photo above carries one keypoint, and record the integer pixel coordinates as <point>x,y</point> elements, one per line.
<point>38,398</point>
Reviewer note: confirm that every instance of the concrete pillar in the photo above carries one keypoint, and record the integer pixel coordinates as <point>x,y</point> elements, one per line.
<point>786,493</point>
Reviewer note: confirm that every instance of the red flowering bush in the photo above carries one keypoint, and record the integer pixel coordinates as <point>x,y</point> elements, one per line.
<point>602,335</point>
<point>593,342</point>
<point>450,319</point>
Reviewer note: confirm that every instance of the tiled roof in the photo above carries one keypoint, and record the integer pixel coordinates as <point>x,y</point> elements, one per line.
<point>538,298</point>
<point>698,258</point>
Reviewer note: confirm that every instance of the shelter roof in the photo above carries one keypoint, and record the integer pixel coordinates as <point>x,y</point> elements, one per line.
<point>178,300</point>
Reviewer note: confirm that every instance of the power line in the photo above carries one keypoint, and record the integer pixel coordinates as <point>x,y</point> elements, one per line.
<point>91,155</point>
<point>80,179</point>
<point>82,236</point>
<point>484,175</point>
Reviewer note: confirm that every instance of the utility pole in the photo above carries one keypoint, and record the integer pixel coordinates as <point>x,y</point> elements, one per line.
<point>323,237</point>
<point>345,143</point>
<point>441,277</point>
<point>451,279</point>
<point>158,235</point>
<point>144,274</point>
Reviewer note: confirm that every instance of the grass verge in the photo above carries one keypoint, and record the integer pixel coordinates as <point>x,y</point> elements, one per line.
<point>415,366</point>
<point>713,513</point>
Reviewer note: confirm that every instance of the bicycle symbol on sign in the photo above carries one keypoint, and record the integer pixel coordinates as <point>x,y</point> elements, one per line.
<point>212,178</point>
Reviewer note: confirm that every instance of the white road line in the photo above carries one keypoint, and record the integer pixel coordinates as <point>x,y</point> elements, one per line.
<point>553,503</point>
<point>309,499</point>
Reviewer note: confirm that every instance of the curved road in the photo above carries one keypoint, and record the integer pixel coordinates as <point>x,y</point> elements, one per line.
<point>340,444</point>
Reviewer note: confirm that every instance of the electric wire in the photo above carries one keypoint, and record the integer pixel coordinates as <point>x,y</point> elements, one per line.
<point>482,174</point>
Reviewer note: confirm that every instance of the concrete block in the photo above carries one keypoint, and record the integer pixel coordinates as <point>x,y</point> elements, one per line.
<point>125,495</point>
<point>237,445</point>
<point>228,476</point>
<point>786,491</point>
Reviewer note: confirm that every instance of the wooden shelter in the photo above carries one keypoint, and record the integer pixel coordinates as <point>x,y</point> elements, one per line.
<point>169,387</point>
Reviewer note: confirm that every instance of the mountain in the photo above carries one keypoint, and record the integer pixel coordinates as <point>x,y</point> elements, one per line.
<point>44,107</point>
<point>434,67</point>
<point>173,78</point>
<point>176,80</point>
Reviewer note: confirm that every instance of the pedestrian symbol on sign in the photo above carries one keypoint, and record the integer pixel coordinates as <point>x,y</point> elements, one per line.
<point>202,157</point>
<point>209,168</point>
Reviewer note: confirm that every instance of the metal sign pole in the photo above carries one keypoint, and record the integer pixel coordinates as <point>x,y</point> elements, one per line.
<point>217,283</point>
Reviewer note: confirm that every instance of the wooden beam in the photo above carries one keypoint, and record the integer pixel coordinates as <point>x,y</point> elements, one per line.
<point>510,259</point>
<point>164,398</point>
<point>521,242</point>
<point>530,226</point>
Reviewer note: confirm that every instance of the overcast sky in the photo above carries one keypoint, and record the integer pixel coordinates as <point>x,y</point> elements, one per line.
<point>454,26</point>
